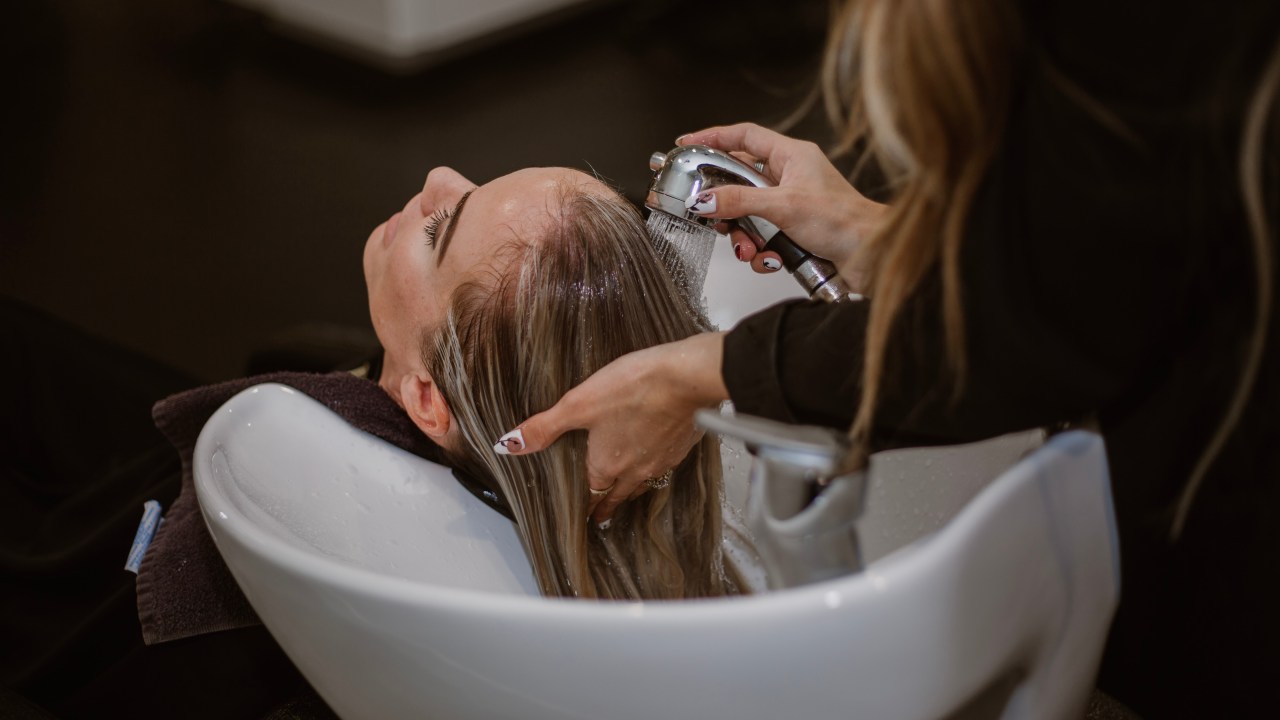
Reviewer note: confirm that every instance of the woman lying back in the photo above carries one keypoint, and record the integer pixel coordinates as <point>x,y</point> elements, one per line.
<point>491,302</point>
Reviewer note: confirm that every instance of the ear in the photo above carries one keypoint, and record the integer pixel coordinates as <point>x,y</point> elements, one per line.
<point>426,406</point>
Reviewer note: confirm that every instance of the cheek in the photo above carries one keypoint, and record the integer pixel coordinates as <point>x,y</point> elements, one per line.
<point>404,271</point>
<point>374,267</point>
<point>406,299</point>
<point>388,302</point>
<point>376,260</point>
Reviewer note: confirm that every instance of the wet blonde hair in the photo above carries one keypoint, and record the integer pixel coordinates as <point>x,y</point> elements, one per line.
<point>551,313</point>
<point>924,88</point>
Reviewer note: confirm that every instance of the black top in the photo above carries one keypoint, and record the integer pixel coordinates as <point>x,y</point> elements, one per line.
<point>1104,275</point>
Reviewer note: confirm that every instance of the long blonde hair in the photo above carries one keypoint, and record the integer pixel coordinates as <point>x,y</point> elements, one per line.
<point>925,88</point>
<point>588,292</point>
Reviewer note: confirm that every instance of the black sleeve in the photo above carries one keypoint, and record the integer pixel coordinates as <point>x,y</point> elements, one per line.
<point>1105,237</point>
<point>802,362</point>
<point>797,362</point>
<point>1075,261</point>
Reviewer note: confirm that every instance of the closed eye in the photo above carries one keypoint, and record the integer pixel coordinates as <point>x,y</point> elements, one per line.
<point>454,217</point>
<point>432,227</point>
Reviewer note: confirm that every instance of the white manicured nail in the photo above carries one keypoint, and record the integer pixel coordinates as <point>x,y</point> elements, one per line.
<point>510,443</point>
<point>702,203</point>
<point>770,264</point>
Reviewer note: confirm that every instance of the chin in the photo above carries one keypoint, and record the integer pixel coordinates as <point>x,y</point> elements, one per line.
<point>369,244</point>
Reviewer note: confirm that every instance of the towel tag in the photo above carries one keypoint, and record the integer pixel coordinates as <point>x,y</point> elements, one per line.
<point>142,539</point>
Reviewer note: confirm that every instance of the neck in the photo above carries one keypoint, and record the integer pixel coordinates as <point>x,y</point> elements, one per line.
<point>389,378</point>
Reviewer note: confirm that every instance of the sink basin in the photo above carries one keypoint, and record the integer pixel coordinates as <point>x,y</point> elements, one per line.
<point>991,582</point>
<point>398,594</point>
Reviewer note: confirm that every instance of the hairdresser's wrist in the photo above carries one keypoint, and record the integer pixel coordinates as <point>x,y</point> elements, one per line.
<point>690,369</point>
<point>866,217</point>
<point>863,219</point>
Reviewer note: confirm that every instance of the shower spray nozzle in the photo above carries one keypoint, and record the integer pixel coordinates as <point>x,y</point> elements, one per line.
<point>689,170</point>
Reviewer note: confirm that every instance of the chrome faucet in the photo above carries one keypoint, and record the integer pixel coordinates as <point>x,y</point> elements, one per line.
<point>801,511</point>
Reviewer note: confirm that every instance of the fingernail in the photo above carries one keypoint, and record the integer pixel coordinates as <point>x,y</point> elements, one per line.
<point>770,264</point>
<point>512,442</point>
<point>680,139</point>
<point>702,203</point>
<point>737,251</point>
<point>605,524</point>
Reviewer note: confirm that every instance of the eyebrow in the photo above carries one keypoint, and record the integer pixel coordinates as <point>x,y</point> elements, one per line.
<point>443,246</point>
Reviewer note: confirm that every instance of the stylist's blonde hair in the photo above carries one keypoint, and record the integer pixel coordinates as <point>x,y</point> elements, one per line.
<point>591,290</point>
<point>925,88</point>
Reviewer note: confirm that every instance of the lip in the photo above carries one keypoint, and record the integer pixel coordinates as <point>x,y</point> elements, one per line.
<point>392,224</point>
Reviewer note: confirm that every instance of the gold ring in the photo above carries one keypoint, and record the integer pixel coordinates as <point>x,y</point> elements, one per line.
<point>660,482</point>
<point>601,493</point>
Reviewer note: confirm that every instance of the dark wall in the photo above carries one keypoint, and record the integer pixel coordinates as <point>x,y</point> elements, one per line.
<point>181,179</point>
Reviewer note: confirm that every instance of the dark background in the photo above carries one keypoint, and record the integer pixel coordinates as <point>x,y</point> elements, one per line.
<point>181,179</point>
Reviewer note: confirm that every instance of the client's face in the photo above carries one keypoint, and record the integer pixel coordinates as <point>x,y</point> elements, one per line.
<point>448,234</point>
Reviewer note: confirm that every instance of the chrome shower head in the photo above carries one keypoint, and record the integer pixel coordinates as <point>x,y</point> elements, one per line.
<point>688,170</point>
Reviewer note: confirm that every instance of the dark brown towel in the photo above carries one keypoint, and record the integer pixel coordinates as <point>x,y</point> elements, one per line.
<point>184,588</point>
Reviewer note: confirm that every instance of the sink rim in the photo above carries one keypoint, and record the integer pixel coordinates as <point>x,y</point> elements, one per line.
<point>222,516</point>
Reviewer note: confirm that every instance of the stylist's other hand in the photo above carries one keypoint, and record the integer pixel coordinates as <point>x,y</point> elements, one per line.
<point>813,203</point>
<point>638,414</point>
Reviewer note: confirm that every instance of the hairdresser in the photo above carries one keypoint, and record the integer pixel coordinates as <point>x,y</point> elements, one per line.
<point>1081,225</point>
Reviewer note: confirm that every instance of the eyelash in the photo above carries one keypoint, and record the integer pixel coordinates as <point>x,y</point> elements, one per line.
<point>434,222</point>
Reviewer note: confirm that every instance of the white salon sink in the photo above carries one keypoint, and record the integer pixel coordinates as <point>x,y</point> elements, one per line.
<point>399,595</point>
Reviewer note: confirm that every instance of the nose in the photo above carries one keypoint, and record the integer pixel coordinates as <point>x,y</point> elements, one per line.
<point>443,188</point>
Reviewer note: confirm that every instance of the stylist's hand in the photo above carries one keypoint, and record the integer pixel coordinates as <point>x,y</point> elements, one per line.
<point>638,414</point>
<point>813,203</point>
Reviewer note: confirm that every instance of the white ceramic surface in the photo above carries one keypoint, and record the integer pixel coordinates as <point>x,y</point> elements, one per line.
<point>398,595</point>
<point>401,34</point>
<point>304,476</point>
<point>732,291</point>
<point>912,492</point>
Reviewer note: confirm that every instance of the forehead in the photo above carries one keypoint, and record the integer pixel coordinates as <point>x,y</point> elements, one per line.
<point>514,208</point>
<point>527,199</point>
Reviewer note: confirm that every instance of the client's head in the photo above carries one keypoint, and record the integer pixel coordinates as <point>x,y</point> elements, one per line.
<point>539,279</point>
